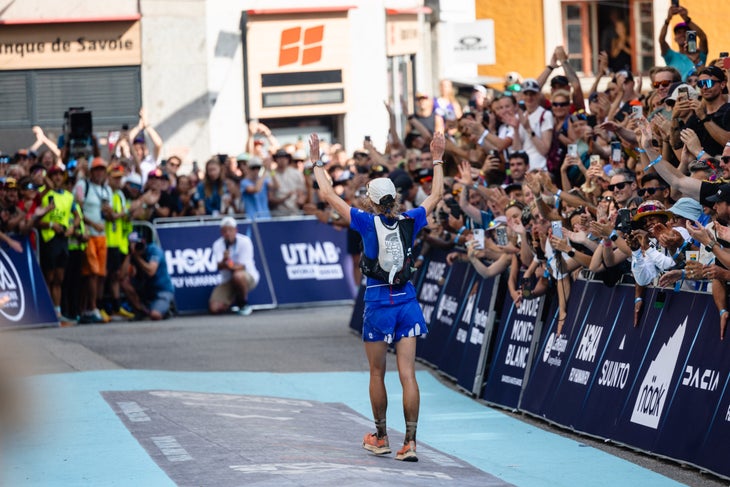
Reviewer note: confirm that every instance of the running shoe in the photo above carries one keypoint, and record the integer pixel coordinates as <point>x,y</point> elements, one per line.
<point>378,446</point>
<point>102,315</point>
<point>127,315</point>
<point>245,311</point>
<point>407,453</point>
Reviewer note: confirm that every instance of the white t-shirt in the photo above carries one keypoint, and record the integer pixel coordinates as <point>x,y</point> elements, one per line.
<point>91,202</point>
<point>541,120</point>
<point>241,251</point>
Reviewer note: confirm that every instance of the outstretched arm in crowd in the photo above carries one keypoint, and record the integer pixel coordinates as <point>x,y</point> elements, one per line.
<point>688,186</point>
<point>393,137</point>
<point>578,99</point>
<point>41,140</point>
<point>149,130</point>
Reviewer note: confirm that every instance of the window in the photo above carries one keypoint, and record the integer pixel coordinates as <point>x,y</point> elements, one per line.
<point>623,28</point>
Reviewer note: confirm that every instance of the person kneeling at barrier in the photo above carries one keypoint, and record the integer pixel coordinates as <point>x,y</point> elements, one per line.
<point>148,287</point>
<point>234,254</point>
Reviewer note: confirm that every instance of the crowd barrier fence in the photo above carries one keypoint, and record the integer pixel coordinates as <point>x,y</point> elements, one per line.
<point>660,387</point>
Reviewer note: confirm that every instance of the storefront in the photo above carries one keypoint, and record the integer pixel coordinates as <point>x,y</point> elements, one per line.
<point>50,65</point>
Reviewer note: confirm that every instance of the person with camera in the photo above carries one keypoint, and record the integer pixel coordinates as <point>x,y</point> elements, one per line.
<point>255,189</point>
<point>234,254</point>
<point>148,286</point>
<point>392,312</point>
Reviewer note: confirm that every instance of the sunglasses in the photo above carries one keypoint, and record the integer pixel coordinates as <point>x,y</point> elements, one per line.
<point>650,191</point>
<point>725,159</point>
<point>562,104</point>
<point>606,198</point>
<point>619,186</point>
<point>706,83</point>
<point>663,84</point>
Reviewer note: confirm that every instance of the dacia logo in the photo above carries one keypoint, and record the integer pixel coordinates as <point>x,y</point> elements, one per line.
<point>11,290</point>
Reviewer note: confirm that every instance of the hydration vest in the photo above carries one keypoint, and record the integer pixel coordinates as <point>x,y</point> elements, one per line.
<point>394,262</point>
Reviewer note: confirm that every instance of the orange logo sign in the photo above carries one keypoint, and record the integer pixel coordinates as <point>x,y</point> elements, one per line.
<point>308,42</point>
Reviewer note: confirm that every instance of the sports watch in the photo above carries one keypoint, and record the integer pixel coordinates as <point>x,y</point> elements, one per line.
<point>319,163</point>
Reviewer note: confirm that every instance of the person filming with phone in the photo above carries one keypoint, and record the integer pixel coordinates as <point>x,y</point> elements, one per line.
<point>690,38</point>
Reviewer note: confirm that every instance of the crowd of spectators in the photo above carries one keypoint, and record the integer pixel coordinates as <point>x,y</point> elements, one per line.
<point>625,181</point>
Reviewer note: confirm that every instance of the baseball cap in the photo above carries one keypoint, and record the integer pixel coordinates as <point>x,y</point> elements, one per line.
<point>380,188</point>
<point>135,237</point>
<point>481,89</point>
<point>723,194</point>
<point>134,179</point>
<point>282,153</point>
<point>421,94</point>
<point>401,180</point>
<point>560,80</point>
<point>229,221</point>
<point>674,91</point>
<point>243,157</point>
<point>424,175</point>
<point>55,169</point>
<point>254,162</point>
<point>36,167</point>
<point>116,170</point>
<point>530,85</point>
<point>156,174</point>
<point>98,162</point>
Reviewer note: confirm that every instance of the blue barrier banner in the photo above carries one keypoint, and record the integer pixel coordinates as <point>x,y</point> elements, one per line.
<point>188,252</point>
<point>307,260</point>
<point>611,381</point>
<point>24,295</point>
<point>457,322</point>
<point>677,389</point>
<point>512,353</point>
<point>554,353</point>
<point>592,329</point>
<point>436,274</point>
<point>480,317</point>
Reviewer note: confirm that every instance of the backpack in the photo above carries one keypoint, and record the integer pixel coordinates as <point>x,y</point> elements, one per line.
<point>394,263</point>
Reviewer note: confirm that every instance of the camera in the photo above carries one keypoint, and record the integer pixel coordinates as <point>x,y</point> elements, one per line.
<point>624,223</point>
<point>222,158</point>
<point>139,246</point>
<point>78,128</point>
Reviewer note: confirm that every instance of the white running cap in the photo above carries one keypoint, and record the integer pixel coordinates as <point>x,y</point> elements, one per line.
<point>380,187</point>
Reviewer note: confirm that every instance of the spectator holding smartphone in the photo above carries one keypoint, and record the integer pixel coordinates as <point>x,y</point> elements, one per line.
<point>684,61</point>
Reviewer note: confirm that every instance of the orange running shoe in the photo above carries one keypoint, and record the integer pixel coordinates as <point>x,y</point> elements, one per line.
<point>407,453</point>
<point>378,446</point>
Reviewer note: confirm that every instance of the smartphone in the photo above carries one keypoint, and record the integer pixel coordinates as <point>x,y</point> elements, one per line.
<point>725,58</point>
<point>478,234</point>
<point>573,150</point>
<point>500,234</point>
<point>262,171</point>
<point>691,41</point>
<point>493,153</point>
<point>367,138</point>
<point>522,105</point>
<point>616,151</point>
<point>557,228</point>
<point>675,3</point>
<point>637,111</point>
<point>50,200</point>
<point>682,93</point>
<point>595,160</point>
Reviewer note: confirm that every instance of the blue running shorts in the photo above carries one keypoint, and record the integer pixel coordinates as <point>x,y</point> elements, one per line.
<point>391,322</point>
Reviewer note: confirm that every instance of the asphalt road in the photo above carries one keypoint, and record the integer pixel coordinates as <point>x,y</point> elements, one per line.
<point>284,340</point>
